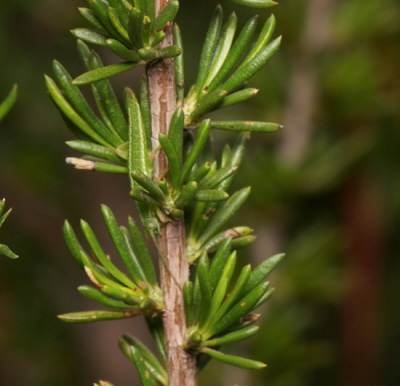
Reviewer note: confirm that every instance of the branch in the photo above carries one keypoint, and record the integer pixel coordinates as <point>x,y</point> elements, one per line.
<point>161,85</point>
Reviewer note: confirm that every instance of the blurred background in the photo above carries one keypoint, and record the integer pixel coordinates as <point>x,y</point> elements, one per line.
<point>325,190</point>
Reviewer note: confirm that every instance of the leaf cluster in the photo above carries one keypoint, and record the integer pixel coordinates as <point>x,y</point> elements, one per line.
<point>195,185</point>
<point>225,65</point>
<point>135,295</point>
<point>130,30</point>
<point>217,316</point>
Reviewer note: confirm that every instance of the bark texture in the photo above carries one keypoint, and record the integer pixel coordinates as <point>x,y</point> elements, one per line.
<point>181,364</point>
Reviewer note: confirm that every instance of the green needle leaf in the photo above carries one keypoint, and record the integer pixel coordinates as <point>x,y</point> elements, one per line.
<point>207,104</point>
<point>95,166</point>
<point>234,54</point>
<point>235,336</point>
<point>102,279</point>
<point>155,325</point>
<point>106,100</point>
<point>135,30</point>
<point>122,7</point>
<point>219,261</point>
<point>238,149</point>
<point>73,244</point>
<point>78,101</point>
<point>148,184</point>
<point>187,195</point>
<point>135,356</point>
<point>143,254</point>
<point>233,360</point>
<point>179,67</point>
<point>97,296</point>
<point>146,30</point>
<point>151,361</point>
<point>97,316</point>
<point>9,102</point>
<point>188,300</point>
<point>211,195</point>
<point>209,48</point>
<point>173,161</point>
<point>4,250</point>
<point>216,178</point>
<point>137,155</point>
<point>234,233</point>
<point>122,51</point>
<point>201,172</point>
<point>255,3</point>
<point>96,151</point>
<point>220,290</point>
<point>102,257</point>
<point>103,73</point>
<point>243,241</point>
<point>71,114</point>
<point>263,39</point>
<point>100,8</point>
<point>175,132</point>
<point>168,52</point>
<point>128,297</point>
<point>5,215</point>
<point>223,214</point>
<point>141,197</point>
<point>90,36</point>
<point>261,272</point>
<point>235,293</point>
<point>91,17</point>
<point>166,16</point>
<point>262,127</point>
<point>145,109</point>
<point>243,307</point>
<point>265,297</point>
<point>158,37</point>
<point>237,97</point>
<point>119,239</point>
<point>247,71</point>
<point>119,28</point>
<point>194,154</point>
<point>140,274</point>
<point>197,300</point>
<point>205,287</point>
<point>223,48</point>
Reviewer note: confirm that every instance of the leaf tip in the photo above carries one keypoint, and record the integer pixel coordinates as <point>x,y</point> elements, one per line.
<point>80,163</point>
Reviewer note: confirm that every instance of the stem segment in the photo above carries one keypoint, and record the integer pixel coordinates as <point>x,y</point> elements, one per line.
<point>162,95</point>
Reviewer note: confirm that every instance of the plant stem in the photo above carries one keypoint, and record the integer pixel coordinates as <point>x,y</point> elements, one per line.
<point>162,95</point>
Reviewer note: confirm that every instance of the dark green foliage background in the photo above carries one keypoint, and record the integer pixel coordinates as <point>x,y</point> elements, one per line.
<point>298,208</point>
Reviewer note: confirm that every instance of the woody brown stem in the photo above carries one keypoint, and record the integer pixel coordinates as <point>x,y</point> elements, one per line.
<point>162,95</point>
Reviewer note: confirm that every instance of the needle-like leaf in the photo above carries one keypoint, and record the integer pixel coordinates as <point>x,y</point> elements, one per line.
<point>103,73</point>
